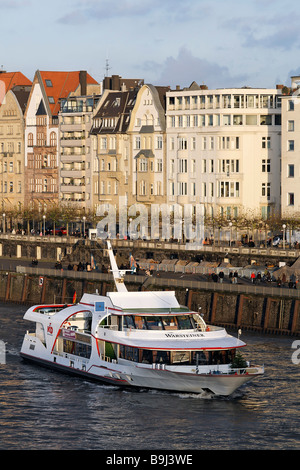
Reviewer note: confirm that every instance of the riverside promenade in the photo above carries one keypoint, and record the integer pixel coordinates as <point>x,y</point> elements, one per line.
<point>263,307</point>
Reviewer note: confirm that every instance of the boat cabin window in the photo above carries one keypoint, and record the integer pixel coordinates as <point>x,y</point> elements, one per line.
<point>154,323</point>
<point>140,323</point>
<point>158,322</point>
<point>185,322</point>
<point>169,323</point>
<point>148,356</point>
<point>129,321</point>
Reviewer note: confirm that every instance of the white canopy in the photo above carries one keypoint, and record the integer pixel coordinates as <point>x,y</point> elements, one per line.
<point>148,300</point>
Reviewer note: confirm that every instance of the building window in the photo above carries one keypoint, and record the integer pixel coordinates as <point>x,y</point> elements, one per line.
<point>291,200</point>
<point>291,105</point>
<point>159,142</point>
<point>266,190</point>
<point>291,126</point>
<point>266,166</point>
<point>291,171</point>
<point>193,189</point>
<point>229,189</point>
<point>183,166</point>
<point>48,83</point>
<point>172,188</point>
<point>182,143</point>
<point>51,99</point>
<point>159,165</point>
<point>53,139</point>
<point>30,140</point>
<point>143,188</point>
<point>137,143</point>
<point>182,188</point>
<point>266,142</point>
<point>291,145</point>
<point>266,120</point>
<point>143,164</point>
<point>40,140</point>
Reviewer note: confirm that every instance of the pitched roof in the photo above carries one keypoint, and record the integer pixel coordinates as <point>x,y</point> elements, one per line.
<point>116,105</point>
<point>59,85</point>
<point>13,79</point>
<point>41,111</point>
<point>22,98</point>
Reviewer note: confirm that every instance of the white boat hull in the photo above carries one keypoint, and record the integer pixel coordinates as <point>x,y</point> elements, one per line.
<point>138,376</point>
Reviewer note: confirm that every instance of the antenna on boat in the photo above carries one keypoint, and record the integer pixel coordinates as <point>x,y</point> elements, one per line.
<point>117,273</point>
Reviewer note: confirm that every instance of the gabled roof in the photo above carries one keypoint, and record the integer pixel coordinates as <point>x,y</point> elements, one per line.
<point>58,85</point>
<point>41,111</point>
<point>22,98</point>
<point>13,79</point>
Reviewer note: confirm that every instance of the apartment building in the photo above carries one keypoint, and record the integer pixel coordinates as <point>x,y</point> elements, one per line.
<point>111,147</point>
<point>224,149</point>
<point>12,126</point>
<point>75,169</point>
<point>42,135</point>
<point>15,88</point>
<point>147,131</point>
<point>290,168</point>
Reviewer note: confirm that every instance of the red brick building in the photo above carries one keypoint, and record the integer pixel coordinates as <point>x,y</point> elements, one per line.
<point>41,134</point>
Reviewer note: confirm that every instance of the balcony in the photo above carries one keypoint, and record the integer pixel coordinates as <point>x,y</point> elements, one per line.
<point>72,173</point>
<point>71,188</point>
<point>71,127</point>
<point>72,158</point>
<point>78,142</point>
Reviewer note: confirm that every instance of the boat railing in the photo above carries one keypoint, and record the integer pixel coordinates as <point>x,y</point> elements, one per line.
<point>107,359</point>
<point>51,310</point>
<point>109,327</point>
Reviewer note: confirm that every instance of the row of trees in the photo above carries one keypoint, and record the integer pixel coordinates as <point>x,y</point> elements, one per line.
<point>247,224</point>
<point>26,219</point>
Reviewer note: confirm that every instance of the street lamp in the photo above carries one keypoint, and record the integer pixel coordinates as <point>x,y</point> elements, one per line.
<point>84,218</point>
<point>284,227</point>
<point>44,220</point>
<point>4,229</point>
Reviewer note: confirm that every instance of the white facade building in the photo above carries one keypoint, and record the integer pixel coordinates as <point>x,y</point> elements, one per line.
<point>148,154</point>
<point>224,149</point>
<point>290,170</point>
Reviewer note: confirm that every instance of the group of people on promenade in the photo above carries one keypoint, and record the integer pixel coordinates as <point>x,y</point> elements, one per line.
<point>282,281</point>
<point>233,277</point>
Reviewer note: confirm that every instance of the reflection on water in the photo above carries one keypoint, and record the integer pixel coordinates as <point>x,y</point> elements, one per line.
<point>41,409</point>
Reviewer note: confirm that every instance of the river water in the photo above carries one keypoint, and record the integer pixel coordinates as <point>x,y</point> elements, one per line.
<point>46,410</point>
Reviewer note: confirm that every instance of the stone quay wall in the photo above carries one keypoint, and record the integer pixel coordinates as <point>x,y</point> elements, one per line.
<point>253,308</point>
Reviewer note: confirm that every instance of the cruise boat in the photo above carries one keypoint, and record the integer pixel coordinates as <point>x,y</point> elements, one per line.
<point>137,339</point>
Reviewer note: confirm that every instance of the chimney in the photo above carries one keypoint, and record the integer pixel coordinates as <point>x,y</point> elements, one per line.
<point>115,82</point>
<point>83,82</point>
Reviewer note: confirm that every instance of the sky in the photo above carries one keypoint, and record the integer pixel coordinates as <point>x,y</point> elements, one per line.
<point>221,44</point>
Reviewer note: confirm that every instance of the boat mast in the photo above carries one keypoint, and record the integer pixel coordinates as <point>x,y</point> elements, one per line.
<point>117,273</point>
